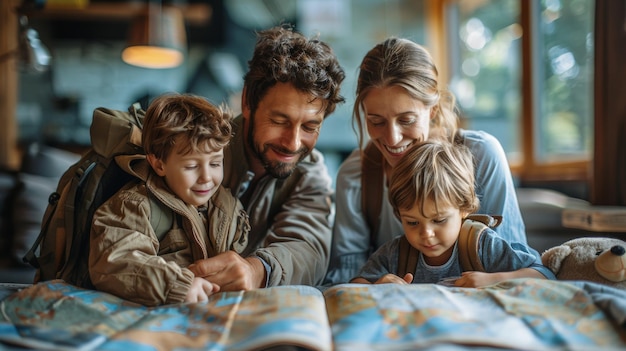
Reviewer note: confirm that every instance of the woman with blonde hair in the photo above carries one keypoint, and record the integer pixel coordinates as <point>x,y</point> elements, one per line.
<point>400,104</point>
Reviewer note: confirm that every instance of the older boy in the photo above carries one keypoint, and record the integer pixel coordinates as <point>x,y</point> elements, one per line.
<point>184,138</point>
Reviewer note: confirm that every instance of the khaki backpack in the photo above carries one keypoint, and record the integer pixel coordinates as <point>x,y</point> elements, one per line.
<point>62,248</point>
<point>371,204</point>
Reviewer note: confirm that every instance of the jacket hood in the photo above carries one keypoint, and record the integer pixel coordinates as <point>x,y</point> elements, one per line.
<point>136,165</point>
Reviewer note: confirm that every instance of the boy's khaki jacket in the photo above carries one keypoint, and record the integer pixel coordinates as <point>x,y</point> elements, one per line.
<point>128,260</point>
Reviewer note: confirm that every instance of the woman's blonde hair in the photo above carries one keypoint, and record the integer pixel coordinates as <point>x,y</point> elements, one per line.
<point>439,171</point>
<point>401,62</point>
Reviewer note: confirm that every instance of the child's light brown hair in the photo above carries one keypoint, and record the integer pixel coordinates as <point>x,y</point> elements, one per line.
<point>187,118</point>
<point>434,170</point>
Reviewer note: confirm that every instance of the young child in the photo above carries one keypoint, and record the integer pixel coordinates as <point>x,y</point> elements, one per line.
<point>184,137</point>
<point>432,190</point>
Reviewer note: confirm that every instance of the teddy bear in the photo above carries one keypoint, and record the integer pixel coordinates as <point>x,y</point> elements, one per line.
<point>596,259</point>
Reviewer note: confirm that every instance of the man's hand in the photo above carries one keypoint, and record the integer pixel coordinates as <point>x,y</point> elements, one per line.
<point>231,272</point>
<point>200,290</point>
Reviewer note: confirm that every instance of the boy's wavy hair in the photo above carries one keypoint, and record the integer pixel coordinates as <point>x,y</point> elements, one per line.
<point>439,171</point>
<point>188,119</point>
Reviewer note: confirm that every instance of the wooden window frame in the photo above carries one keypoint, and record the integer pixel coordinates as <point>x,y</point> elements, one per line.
<point>527,169</point>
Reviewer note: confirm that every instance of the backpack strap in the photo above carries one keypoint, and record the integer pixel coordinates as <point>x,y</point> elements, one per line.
<point>161,216</point>
<point>407,257</point>
<point>469,239</point>
<point>138,114</point>
<point>31,256</point>
<point>371,189</point>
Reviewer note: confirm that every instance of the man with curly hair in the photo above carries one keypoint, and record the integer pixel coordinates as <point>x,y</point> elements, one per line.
<point>292,85</point>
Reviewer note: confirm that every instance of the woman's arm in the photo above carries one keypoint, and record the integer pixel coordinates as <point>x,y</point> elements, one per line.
<point>494,184</point>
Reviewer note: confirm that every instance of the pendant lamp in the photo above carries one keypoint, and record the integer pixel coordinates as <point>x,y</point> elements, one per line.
<point>157,38</point>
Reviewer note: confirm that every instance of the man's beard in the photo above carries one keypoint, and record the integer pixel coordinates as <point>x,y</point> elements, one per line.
<point>276,169</point>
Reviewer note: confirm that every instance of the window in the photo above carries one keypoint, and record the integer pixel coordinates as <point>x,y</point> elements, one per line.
<point>564,79</point>
<point>522,70</point>
<point>352,28</point>
<point>546,130</point>
<point>486,76</point>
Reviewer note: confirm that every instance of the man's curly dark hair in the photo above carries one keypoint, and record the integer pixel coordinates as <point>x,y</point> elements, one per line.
<point>284,55</point>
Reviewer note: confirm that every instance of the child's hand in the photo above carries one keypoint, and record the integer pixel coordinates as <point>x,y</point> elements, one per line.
<point>392,278</point>
<point>476,279</point>
<point>200,290</point>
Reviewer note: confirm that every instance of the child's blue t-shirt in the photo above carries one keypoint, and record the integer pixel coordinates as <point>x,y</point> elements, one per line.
<point>496,255</point>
